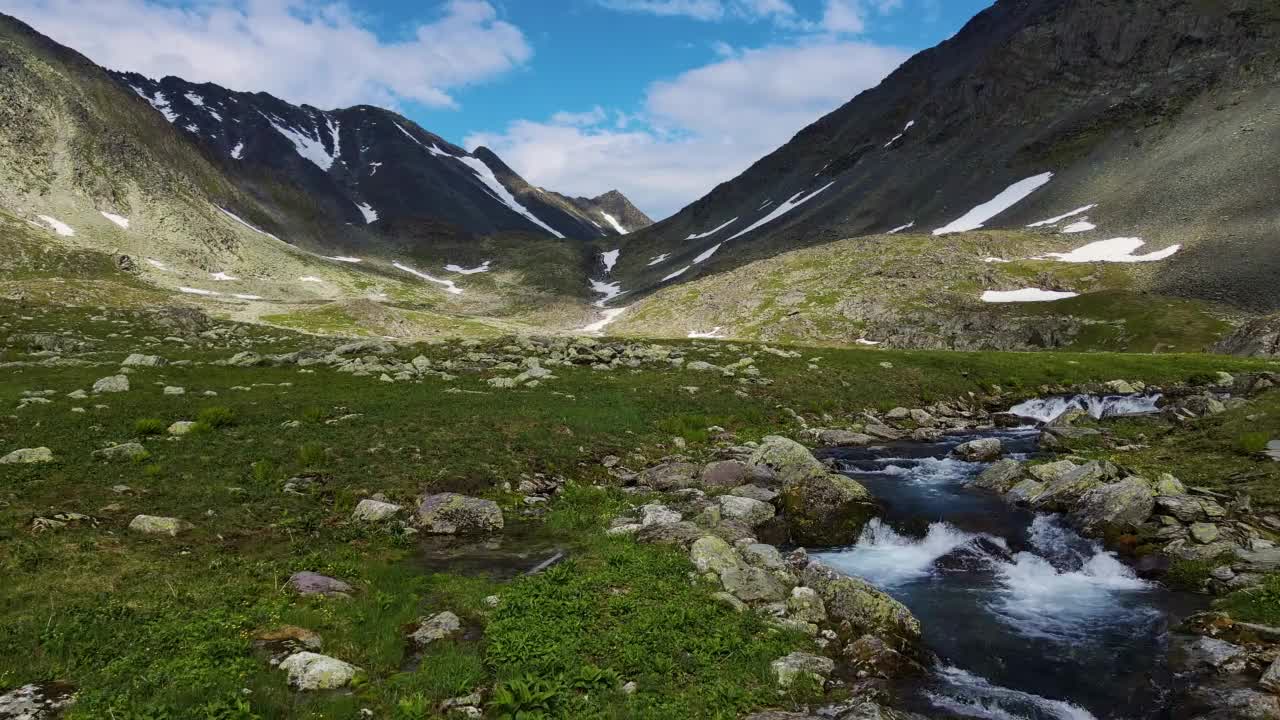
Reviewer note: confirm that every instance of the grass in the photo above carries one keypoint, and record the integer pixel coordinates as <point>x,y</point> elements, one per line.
<point>190,606</point>
<point>1260,604</point>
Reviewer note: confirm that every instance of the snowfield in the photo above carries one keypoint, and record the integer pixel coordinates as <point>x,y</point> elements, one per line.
<point>709,233</point>
<point>783,209</point>
<point>370,215</point>
<point>503,195</point>
<point>221,276</point>
<point>117,219</point>
<point>1060,218</point>
<point>308,146</point>
<point>599,325</point>
<point>900,228</point>
<point>1115,250</point>
<point>707,253</point>
<point>659,259</point>
<point>1012,195</point>
<point>709,335</point>
<point>449,286</point>
<point>57,226</point>
<point>1079,227</point>
<point>1025,295</point>
<point>241,220</point>
<point>609,290</point>
<point>614,222</point>
<point>610,259</point>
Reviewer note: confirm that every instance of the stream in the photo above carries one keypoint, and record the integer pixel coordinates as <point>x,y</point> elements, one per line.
<point>1028,619</point>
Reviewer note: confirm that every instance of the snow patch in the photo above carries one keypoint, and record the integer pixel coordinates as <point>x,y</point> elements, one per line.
<point>707,253</point>
<point>1025,295</point>
<point>709,335</point>
<point>864,341</point>
<point>783,209</point>
<point>486,176</point>
<point>375,167</point>
<point>481,268</point>
<point>57,226</point>
<point>117,219</point>
<point>157,264</point>
<point>246,297</point>
<point>1060,218</point>
<point>241,220</point>
<point>237,152</point>
<point>161,103</point>
<point>308,145</point>
<point>614,222</point>
<point>1014,194</point>
<point>709,233</point>
<point>994,260</point>
<point>677,273</point>
<point>659,259</point>
<point>1079,227</point>
<point>370,215</point>
<point>435,151</point>
<point>449,285</point>
<point>309,279</point>
<point>610,259</point>
<point>344,258</point>
<point>609,290</point>
<point>1116,250</point>
<point>197,291</point>
<point>900,228</point>
<point>223,276</point>
<point>599,325</point>
<point>898,137</point>
<point>195,99</point>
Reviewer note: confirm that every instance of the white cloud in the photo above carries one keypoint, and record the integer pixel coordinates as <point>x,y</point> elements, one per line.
<point>594,116</point>
<point>707,10</point>
<point>701,128</point>
<point>314,51</point>
<point>844,16</point>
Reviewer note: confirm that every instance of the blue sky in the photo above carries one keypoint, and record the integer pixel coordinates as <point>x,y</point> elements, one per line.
<point>661,99</point>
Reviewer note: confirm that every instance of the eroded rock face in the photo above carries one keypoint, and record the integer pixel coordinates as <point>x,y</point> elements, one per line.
<point>454,514</point>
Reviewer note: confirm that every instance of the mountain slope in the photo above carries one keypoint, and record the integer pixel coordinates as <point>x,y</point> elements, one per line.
<point>1160,114</point>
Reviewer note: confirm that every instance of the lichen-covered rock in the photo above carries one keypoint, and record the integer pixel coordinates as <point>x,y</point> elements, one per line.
<point>312,583</point>
<point>711,554</point>
<point>454,514</point>
<point>980,450</point>
<point>668,476</point>
<point>681,534</point>
<point>313,671</point>
<point>833,437</point>
<point>436,627</point>
<point>763,556</point>
<point>787,670</point>
<point>1115,508</point>
<point>112,384</point>
<point>861,606</point>
<point>826,509</point>
<point>123,451</point>
<point>374,511</point>
<point>656,514</point>
<point>745,510</point>
<point>1167,484</point>
<point>788,459</point>
<point>140,360</point>
<point>754,585</point>
<point>1049,472</point>
<point>806,605</point>
<point>725,473</point>
<point>1001,476</point>
<point>181,427</point>
<point>1025,492</point>
<point>24,456</point>
<point>155,525</point>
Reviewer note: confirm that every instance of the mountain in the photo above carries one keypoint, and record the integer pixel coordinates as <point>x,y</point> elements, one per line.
<point>359,165</point>
<point>1149,119</point>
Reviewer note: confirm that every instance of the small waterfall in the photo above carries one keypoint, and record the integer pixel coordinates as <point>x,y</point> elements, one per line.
<point>1098,406</point>
<point>889,559</point>
<point>973,696</point>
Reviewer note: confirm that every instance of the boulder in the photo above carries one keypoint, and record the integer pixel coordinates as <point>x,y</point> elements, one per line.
<point>754,585</point>
<point>312,583</point>
<point>1115,508</point>
<point>112,384</point>
<point>788,459</point>
<point>725,473</point>
<point>655,514</point>
<point>181,427</point>
<point>980,450</point>
<point>1216,655</point>
<point>1025,492</point>
<point>1270,679</point>
<point>681,534</point>
<point>745,510</point>
<point>711,554</point>
<point>1050,472</point>
<point>24,456</point>
<point>755,492</point>
<point>860,606</point>
<point>787,670</point>
<point>763,556</point>
<point>1204,533</point>
<point>140,360</point>
<point>123,451</point>
<point>826,508</point>
<point>155,525</point>
<point>454,514</point>
<point>1001,476</point>
<point>806,605</point>
<point>374,511</point>
<point>36,701</point>
<point>667,476</point>
<point>313,671</point>
<point>1065,489</point>
<point>834,437</point>
<point>1167,484</point>
<point>436,627</point>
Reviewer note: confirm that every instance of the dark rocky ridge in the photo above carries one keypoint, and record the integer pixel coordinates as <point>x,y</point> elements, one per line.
<point>1161,111</point>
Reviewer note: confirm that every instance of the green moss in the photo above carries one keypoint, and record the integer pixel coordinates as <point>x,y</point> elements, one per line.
<point>1260,604</point>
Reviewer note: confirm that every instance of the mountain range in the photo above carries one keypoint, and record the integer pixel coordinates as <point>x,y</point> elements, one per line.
<point>1113,157</point>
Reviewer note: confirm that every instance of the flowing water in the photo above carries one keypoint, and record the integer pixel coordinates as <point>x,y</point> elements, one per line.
<point>1028,619</point>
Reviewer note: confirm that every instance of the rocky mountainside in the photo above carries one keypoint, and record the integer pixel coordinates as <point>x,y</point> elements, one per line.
<point>359,165</point>
<point>1149,119</point>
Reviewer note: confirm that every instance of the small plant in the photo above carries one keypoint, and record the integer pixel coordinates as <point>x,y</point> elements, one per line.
<point>153,470</point>
<point>149,426</point>
<point>311,454</point>
<point>414,707</point>
<point>1252,443</point>
<point>217,416</point>
<point>264,472</point>
<point>314,414</point>
<point>524,698</point>
<point>140,457</point>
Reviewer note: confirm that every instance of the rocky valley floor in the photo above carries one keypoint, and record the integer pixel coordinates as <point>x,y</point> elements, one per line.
<point>207,519</point>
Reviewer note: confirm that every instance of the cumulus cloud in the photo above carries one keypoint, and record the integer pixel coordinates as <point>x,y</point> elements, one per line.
<point>313,51</point>
<point>698,129</point>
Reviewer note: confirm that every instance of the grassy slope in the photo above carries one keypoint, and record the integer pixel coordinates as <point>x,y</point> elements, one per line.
<point>878,286</point>
<point>151,627</point>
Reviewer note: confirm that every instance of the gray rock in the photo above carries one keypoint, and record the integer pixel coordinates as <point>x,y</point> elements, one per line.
<point>112,384</point>
<point>174,390</point>
<point>667,476</point>
<point>745,510</point>
<point>156,525</point>
<point>436,627</point>
<point>832,437</point>
<point>123,451</point>
<point>36,702</point>
<point>711,554</point>
<point>1215,654</point>
<point>181,427</point>
<point>1270,679</point>
<point>24,456</point>
<point>1204,533</point>
<point>726,473</point>
<point>788,459</point>
<point>763,556</point>
<point>655,514</point>
<point>1185,508</point>
<point>753,584</point>
<point>806,605</point>
<point>313,671</point>
<point>787,670</point>
<point>1115,508</point>
<point>312,583</point>
<point>681,534</point>
<point>826,508</point>
<point>755,492</point>
<point>1001,476</point>
<point>374,511</point>
<point>1050,472</point>
<point>1167,484</point>
<point>981,450</point>
<point>140,360</point>
<point>454,514</point>
<point>860,605</point>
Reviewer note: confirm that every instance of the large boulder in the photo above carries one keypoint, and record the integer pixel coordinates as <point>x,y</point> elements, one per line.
<point>1119,507</point>
<point>788,459</point>
<point>745,510</point>
<point>787,670</point>
<point>112,384</point>
<point>861,608</point>
<point>834,437</point>
<point>312,583</point>
<point>1001,476</point>
<point>681,534</point>
<point>313,671</point>
<point>454,514</point>
<point>1063,490</point>
<point>980,450</point>
<point>25,456</point>
<point>155,525</point>
<point>826,508</point>
<point>667,476</point>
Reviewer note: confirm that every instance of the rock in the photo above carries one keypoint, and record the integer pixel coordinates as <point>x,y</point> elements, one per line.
<point>112,384</point>
<point>806,605</point>
<point>1204,533</point>
<point>174,390</point>
<point>365,347</point>
<point>155,525</point>
<point>669,476</point>
<point>374,511</point>
<point>731,473</point>
<point>787,670</point>
<point>1271,677</point>
<point>826,509</point>
<point>753,584</point>
<point>860,605</point>
<point>981,450</point>
<point>1218,655</point>
<point>313,671</point>
<point>1051,472</point>
<point>454,514</point>
<point>24,456</point>
<point>711,554</point>
<point>1001,476</point>
<point>730,601</point>
<point>788,459</point>
<point>1185,508</point>
<point>1120,387</point>
<point>755,492</point>
<point>36,702</point>
<point>655,514</point>
<point>763,556</point>
<point>1266,560</point>
<point>292,635</point>
<point>898,413</point>
<point>922,418</point>
<point>844,438</point>
<point>124,451</point>
<point>745,510</point>
<point>140,360</point>
<point>1116,508</point>
<point>181,427</point>
<point>436,627</point>
<point>870,656</point>
<point>682,534</point>
<point>312,583</point>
